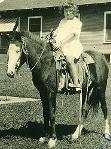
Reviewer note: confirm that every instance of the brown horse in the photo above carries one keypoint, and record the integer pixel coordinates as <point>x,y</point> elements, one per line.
<point>38,55</point>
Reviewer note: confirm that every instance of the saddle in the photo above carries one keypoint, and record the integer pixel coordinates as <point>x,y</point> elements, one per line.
<point>62,69</point>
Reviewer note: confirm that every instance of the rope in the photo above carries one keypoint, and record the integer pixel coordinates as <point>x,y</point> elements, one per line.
<point>80,112</point>
<point>38,59</point>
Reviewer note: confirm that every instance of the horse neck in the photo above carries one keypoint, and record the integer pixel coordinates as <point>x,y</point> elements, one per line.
<point>34,50</point>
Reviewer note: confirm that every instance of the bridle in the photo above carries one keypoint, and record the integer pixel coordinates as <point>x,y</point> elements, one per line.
<point>23,48</point>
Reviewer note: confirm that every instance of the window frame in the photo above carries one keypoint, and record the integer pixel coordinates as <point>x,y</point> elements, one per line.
<point>32,17</point>
<point>105,13</point>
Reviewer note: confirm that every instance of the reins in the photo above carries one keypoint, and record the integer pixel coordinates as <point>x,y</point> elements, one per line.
<point>26,53</point>
<point>38,59</point>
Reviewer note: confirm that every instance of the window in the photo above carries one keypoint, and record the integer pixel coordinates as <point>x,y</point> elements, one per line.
<point>107,27</point>
<point>35,25</point>
<point>7,24</point>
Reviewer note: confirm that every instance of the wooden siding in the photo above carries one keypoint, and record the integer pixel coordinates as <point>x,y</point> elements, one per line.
<point>92,35</point>
<point>50,20</point>
<point>92,17</point>
<point>23,24</point>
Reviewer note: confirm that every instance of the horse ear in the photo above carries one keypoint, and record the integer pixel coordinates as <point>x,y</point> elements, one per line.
<point>17,36</point>
<point>16,25</point>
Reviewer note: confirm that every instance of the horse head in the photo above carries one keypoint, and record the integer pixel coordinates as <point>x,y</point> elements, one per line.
<point>16,56</point>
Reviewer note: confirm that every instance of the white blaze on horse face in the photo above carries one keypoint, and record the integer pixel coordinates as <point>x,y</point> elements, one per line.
<point>14,55</point>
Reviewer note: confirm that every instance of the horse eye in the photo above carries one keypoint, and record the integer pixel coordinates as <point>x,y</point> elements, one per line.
<point>17,51</point>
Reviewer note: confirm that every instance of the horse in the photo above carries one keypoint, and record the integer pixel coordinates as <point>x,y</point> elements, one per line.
<point>38,54</point>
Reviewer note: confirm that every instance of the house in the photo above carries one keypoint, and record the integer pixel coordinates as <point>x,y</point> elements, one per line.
<point>96,29</point>
<point>40,17</point>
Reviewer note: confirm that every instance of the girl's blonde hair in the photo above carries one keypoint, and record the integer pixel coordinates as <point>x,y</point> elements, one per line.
<point>70,6</point>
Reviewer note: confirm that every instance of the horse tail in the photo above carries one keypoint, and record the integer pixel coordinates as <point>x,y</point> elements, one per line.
<point>94,101</point>
<point>100,73</point>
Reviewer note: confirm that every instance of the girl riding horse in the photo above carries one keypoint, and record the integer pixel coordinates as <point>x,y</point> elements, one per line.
<point>39,57</point>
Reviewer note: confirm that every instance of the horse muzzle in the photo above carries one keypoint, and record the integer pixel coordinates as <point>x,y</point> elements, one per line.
<point>10,74</point>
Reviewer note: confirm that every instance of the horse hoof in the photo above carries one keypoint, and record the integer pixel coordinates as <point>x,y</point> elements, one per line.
<point>74,137</point>
<point>69,138</point>
<point>42,140</point>
<point>52,143</point>
<point>107,136</point>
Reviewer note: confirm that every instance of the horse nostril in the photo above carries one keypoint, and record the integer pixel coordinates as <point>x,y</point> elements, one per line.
<point>10,74</point>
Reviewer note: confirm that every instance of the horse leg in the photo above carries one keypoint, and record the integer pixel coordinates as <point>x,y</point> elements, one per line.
<point>52,109</point>
<point>83,113</point>
<point>78,130</point>
<point>104,110</point>
<point>46,118</point>
<point>46,121</point>
<point>45,106</point>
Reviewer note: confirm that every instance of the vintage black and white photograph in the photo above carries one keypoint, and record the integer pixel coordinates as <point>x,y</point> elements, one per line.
<point>55,77</point>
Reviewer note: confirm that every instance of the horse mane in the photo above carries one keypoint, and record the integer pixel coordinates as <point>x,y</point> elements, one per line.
<point>32,36</point>
<point>34,40</point>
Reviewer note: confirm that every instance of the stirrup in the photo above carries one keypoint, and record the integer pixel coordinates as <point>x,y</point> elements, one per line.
<point>74,85</point>
<point>78,89</point>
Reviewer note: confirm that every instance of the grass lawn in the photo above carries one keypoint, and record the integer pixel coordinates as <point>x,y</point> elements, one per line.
<point>21,124</point>
<point>20,86</point>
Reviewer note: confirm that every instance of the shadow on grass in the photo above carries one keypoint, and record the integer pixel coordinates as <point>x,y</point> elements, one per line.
<point>34,130</point>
